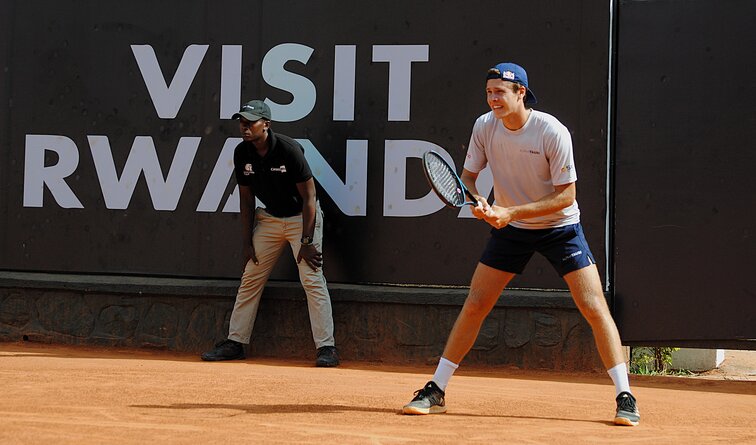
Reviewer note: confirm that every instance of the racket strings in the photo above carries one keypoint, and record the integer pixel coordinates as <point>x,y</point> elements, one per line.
<point>445,180</point>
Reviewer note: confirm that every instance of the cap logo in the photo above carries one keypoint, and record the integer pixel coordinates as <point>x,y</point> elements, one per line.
<point>248,107</point>
<point>508,75</point>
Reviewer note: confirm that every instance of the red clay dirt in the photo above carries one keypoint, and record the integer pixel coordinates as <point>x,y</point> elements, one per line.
<point>83,395</point>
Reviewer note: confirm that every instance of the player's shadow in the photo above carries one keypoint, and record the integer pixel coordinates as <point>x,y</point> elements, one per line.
<point>271,409</point>
<point>332,409</point>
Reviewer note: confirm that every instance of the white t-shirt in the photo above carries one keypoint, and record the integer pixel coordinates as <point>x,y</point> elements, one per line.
<point>526,164</point>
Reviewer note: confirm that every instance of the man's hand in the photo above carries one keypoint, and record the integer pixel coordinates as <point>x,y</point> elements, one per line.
<point>479,211</point>
<point>498,217</point>
<point>310,254</point>
<point>249,254</point>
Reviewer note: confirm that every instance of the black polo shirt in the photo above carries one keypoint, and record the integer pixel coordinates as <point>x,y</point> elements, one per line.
<point>273,178</point>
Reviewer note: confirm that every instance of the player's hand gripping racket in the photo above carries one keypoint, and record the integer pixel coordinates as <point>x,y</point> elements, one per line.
<point>445,181</point>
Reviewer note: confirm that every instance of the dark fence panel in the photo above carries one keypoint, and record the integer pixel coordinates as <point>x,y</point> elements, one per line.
<point>685,233</point>
<point>6,41</point>
<point>103,90</point>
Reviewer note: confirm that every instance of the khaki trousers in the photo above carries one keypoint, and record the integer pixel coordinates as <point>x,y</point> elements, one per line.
<point>270,236</point>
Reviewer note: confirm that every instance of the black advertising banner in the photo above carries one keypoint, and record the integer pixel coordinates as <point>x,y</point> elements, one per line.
<point>117,134</point>
<point>684,182</point>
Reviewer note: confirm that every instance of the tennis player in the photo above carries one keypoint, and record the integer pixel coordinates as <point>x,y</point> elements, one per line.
<point>530,155</point>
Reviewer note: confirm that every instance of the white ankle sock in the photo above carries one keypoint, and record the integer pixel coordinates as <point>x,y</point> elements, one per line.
<point>619,377</point>
<point>444,372</point>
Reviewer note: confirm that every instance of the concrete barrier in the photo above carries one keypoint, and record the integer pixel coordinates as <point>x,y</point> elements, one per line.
<point>527,329</point>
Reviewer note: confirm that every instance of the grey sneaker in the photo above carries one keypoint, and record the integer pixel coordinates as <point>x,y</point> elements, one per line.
<point>327,357</point>
<point>429,400</point>
<point>627,410</point>
<point>225,350</point>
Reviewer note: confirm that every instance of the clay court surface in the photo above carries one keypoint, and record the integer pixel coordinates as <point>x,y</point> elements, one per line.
<point>81,395</point>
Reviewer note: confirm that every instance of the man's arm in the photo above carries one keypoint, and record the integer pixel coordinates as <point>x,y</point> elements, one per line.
<point>468,179</point>
<point>247,210</point>
<point>563,196</point>
<point>308,252</point>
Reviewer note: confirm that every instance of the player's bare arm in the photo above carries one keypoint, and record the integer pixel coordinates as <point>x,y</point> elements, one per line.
<point>247,210</point>
<point>308,251</point>
<point>468,179</point>
<point>563,196</point>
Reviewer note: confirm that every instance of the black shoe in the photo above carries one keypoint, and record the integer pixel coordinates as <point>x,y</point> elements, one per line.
<point>429,400</point>
<point>327,357</point>
<point>627,410</point>
<point>225,350</point>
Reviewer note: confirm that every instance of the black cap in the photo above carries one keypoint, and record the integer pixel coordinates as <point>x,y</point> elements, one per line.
<point>253,110</point>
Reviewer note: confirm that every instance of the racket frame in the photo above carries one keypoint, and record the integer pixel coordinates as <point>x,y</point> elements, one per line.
<point>472,201</point>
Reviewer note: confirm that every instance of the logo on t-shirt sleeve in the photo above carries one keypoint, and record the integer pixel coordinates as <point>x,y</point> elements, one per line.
<point>248,170</point>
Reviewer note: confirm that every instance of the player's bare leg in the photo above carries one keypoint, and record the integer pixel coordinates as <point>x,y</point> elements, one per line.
<point>485,288</point>
<point>585,286</point>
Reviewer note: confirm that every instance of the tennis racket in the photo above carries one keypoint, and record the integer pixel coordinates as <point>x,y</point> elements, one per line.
<point>445,181</point>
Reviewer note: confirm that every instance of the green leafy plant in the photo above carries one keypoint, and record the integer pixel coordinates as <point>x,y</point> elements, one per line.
<point>651,360</point>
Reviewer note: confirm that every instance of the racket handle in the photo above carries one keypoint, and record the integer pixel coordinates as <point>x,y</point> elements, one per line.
<point>472,198</point>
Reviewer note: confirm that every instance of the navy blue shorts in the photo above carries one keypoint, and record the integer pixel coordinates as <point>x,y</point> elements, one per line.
<point>510,248</point>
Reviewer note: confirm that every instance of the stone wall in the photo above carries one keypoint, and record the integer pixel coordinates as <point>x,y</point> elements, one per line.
<point>526,329</point>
